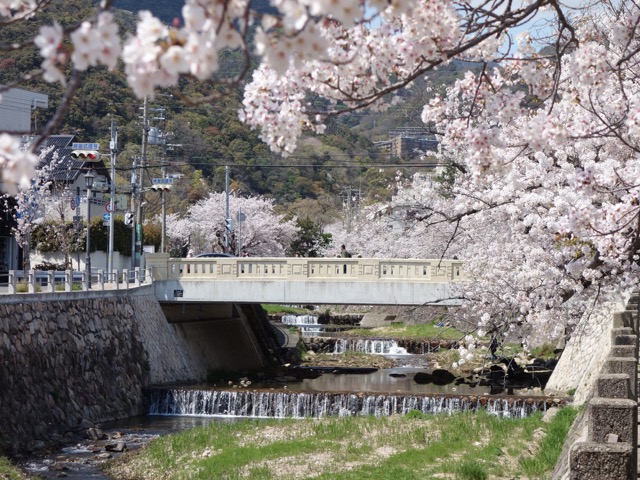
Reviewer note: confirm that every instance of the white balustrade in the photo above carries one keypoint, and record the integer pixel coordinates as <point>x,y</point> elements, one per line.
<point>353,269</point>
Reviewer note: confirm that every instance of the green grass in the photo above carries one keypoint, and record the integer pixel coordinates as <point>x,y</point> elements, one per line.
<point>545,351</point>
<point>415,446</point>
<point>419,332</point>
<point>551,445</point>
<point>75,286</point>
<point>272,309</point>
<point>23,287</point>
<point>9,471</point>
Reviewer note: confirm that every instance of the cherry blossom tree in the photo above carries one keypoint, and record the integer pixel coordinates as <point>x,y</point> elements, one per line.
<point>405,227</point>
<point>31,204</point>
<point>262,233</point>
<point>543,198</point>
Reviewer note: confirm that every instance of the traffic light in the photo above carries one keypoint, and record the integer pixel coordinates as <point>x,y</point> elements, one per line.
<point>228,223</point>
<point>85,155</point>
<point>161,187</point>
<point>128,219</point>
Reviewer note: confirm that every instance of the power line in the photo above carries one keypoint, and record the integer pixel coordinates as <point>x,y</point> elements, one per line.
<point>295,165</point>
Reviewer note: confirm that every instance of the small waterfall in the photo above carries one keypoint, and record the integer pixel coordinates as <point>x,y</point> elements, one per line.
<point>299,320</point>
<point>281,404</point>
<point>311,331</point>
<point>374,347</point>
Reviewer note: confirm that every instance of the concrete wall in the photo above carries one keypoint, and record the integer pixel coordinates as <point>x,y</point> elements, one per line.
<point>72,358</point>
<point>588,347</point>
<point>98,260</point>
<point>601,363</point>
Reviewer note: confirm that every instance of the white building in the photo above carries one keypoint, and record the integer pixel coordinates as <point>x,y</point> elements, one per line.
<point>16,106</point>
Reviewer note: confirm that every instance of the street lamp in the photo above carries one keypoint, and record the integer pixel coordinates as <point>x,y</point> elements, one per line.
<point>88,180</point>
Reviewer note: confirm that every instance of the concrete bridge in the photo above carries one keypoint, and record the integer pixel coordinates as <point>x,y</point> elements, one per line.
<point>325,281</point>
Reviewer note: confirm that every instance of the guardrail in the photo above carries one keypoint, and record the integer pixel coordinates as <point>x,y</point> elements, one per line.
<point>354,269</point>
<point>43,281</point>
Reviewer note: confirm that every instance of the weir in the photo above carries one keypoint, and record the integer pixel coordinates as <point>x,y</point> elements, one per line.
<point>299,320</point>
<point>370,346</point>
<point>284,404</point>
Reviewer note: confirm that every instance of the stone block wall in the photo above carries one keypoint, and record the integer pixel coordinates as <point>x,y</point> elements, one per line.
<point>603,442</point>
<point>74,358</point>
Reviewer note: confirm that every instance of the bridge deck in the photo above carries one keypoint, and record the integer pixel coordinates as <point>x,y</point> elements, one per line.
<point>365,281</point>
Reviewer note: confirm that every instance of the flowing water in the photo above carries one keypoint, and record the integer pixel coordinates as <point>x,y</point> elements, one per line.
<point>300,320</point>
<point>370,346</point>
<point>336,392</point>
<point>81,460</point>
<point>284,404</point>
<point>309,325</point>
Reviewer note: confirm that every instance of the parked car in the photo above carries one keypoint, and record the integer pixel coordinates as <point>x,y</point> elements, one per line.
<point>209,255</point>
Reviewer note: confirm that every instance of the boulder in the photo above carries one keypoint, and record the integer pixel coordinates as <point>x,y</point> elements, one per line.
<point>422,378</point>
<point>442,376</point>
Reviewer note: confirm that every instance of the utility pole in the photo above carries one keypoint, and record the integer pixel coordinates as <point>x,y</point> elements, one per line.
<point>227,220</point>
<point>163,235</point>
<point>134,185</point>
<point>143,162</point>
<point>113,147</point>
<point>351,202</point>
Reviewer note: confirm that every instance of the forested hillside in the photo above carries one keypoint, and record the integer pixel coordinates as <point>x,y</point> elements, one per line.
<point>204,136</point>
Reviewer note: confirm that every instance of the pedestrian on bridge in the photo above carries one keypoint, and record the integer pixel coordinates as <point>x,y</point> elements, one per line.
<point>344,253</point>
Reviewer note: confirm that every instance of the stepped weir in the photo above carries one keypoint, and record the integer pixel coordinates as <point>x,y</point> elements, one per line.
<point>285,404</point>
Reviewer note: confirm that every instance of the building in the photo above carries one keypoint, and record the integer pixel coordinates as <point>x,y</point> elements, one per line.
<point>16,106</point>
<point>408,143</point>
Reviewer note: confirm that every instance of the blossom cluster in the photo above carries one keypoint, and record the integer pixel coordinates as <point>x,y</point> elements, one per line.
<point>17,165</point>
<point>544,143</point>
<point>93,44</point>
<point>262,232</point>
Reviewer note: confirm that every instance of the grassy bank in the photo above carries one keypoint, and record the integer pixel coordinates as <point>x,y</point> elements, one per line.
<point>9,471</point>
<point>400,330</point>
<point>415,446</point>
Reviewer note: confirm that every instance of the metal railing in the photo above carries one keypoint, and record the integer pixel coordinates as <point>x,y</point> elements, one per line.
<point>47,281</point>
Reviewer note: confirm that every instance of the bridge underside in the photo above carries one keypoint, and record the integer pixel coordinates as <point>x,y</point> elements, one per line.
<point>223,336</point>
<point>305,292</point>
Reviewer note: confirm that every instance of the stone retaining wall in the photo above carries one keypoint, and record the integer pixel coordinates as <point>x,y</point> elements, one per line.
<point>77,358</point>
<point>602,443</point>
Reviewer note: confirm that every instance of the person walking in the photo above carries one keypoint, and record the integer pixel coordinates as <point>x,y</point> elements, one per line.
<point>344,253</point>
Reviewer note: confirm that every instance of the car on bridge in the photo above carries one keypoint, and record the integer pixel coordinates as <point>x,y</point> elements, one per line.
<point>215,254</point>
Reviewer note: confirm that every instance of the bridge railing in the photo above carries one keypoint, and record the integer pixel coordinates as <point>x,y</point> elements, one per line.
<point>265,268</point>
<point>43,281</point>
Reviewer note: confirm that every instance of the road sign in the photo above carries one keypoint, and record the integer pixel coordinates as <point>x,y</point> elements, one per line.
<point>241,217</point>
<point>85,146</point>
<point>107,207</point>
<point>78,200</point>
<point>106,217</point>
<point>165,181</point>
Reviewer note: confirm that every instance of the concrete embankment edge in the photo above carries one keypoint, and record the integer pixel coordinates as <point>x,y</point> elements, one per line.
<point>75,358</point>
